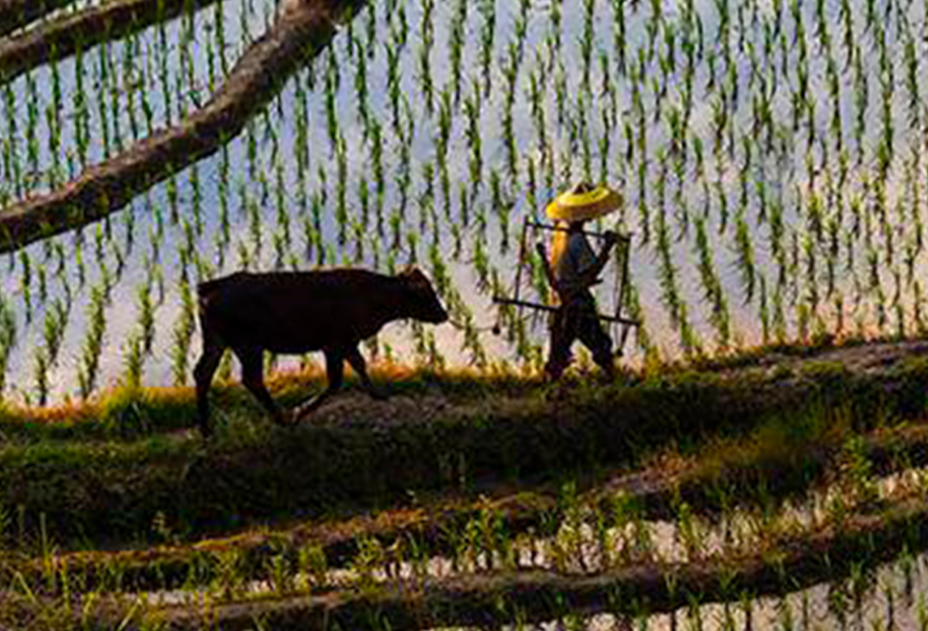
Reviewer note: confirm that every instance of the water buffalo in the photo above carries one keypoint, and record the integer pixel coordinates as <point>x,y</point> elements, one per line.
<point>296,312</point>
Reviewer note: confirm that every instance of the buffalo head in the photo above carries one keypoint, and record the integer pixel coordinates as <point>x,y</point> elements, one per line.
<point>423,304</point>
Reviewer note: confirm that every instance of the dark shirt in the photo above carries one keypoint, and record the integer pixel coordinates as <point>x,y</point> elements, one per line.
<point>576,260</point>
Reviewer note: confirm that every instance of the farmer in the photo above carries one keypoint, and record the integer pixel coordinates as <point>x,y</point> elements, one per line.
<point>573,268</point>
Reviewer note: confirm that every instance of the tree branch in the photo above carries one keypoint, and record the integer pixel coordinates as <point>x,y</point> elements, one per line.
<point>62,36</point>
<point>15,14</point>
<point>254,81</point>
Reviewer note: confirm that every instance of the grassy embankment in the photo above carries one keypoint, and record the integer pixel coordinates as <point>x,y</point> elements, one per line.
<point>778,556</point>
<point>107,472</point>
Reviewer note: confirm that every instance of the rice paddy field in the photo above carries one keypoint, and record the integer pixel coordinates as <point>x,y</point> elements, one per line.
<point>759,464</point>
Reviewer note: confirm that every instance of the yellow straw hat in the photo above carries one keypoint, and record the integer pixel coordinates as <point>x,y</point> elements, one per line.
<point>583,202</point>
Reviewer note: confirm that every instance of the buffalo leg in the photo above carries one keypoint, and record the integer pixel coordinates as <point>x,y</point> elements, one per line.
<point>335,369</point>
<point>253,378</point>
<point>356,359</point>
<point>203,375</point>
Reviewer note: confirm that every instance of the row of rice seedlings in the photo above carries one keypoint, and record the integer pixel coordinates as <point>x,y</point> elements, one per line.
<point>42,362</point>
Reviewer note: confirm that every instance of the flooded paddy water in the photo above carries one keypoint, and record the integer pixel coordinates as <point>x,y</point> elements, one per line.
<point>769,154</point>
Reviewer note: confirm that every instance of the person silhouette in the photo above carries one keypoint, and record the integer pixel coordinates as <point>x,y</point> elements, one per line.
<point>572,269</point>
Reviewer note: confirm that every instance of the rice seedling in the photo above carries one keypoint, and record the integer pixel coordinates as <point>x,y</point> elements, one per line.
<point>456,44</point>
<point>712,286</point>
<point>93,342</point>
<point>426,39</point>
<point>183,334</point>
<point>487,11</point>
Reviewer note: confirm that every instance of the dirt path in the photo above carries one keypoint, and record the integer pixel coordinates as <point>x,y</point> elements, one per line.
<point>790,370</point>
<point>863,359</point>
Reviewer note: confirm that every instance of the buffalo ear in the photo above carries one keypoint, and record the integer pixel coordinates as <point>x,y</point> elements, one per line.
<point>414,275</point>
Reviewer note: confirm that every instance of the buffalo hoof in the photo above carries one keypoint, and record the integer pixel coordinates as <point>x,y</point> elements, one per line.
<point>288,418</point>
<point>302,411</point>
<point>378,395</point>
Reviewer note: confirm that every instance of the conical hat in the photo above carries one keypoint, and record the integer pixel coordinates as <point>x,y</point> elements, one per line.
<point>584,202</point>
